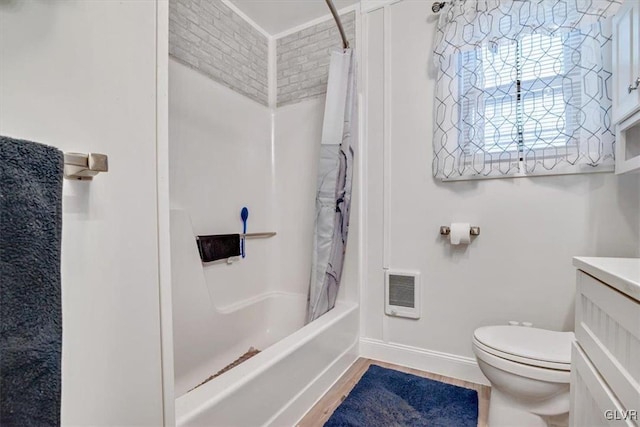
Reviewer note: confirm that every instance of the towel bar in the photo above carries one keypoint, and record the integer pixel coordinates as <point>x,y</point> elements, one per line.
<point>84,167</point>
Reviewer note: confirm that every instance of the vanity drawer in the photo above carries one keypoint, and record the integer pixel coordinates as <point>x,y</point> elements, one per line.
<point>608,330</point>
<point>593,404</point>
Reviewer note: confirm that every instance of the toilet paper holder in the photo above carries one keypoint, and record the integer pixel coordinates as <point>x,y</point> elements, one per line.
<point>445,230</point>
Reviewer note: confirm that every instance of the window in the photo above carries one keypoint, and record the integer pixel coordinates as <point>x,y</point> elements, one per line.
<point>519,96</point>
<point>523,88</point>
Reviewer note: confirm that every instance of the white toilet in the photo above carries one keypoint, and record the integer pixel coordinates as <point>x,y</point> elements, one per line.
<point>528,369</point>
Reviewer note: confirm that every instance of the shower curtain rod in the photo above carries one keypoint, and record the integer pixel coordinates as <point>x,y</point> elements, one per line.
<point>334,12</point>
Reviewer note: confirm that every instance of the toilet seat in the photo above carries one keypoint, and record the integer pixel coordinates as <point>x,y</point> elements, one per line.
<point>520,369</point>
<point>531,346</point>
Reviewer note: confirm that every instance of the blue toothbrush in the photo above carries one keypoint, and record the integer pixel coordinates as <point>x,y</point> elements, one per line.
<point>244,214</point>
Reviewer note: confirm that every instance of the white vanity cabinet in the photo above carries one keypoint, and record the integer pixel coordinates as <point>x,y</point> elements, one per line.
<point>626,86</point>
<point>605,359</point>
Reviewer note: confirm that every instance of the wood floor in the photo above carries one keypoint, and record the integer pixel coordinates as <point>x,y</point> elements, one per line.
<point>320,413</point>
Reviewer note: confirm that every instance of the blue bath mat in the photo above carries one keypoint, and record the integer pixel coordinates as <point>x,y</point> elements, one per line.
<point>384,398</point>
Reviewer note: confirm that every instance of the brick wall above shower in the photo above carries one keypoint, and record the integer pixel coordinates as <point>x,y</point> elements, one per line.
<point>208,36</point>
<point>303,59</point>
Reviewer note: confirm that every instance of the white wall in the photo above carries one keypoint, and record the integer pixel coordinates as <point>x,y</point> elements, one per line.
<point>81,76</point>
<point>519,268</point>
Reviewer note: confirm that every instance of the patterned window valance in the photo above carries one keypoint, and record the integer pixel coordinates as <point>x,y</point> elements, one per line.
<point>523,88</point>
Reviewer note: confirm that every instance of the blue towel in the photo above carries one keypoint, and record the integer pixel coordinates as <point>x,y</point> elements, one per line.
<point>30,306</point>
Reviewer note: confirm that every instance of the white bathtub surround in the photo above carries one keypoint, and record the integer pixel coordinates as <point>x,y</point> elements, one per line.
<point>218,165</point>
<point>263,166</point>
<point>270,167</point>
<point>334,184</point>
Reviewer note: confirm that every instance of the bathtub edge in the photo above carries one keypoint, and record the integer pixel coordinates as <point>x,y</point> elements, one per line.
<point>296,409</point>
<point>193,404</point>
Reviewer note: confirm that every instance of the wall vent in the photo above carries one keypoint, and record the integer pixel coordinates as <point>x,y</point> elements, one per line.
<point>402,294</point>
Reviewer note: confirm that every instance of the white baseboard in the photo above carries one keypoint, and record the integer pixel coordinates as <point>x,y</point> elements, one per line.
<point>307,398</point>
<point>450,365</point>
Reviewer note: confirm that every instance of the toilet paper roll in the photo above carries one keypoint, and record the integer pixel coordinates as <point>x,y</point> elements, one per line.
<point>460,233</point>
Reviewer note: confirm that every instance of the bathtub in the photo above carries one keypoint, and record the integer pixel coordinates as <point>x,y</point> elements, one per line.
<point>296,365</point>
<point>279,385</point>
<point>208,339</point>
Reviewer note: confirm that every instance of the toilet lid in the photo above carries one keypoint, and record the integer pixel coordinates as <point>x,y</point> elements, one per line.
<point>532,344</point>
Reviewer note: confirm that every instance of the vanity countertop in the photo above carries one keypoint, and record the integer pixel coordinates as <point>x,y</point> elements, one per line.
<point>622,274</point>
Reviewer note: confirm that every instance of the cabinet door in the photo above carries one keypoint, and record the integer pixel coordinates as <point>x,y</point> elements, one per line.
<point>608,330</point>
<point>593,404</point>
<point>626,60</point>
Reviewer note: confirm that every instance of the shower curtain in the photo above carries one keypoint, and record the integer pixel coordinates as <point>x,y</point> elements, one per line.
<point>333,195</point>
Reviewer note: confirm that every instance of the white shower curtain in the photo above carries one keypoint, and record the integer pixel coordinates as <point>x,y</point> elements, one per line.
<point>333,196</point>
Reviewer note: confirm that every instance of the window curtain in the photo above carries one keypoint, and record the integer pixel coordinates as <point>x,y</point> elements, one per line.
<point>523,88</point>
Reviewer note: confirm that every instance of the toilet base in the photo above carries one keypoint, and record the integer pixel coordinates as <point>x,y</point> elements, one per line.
<point>503,412</point>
